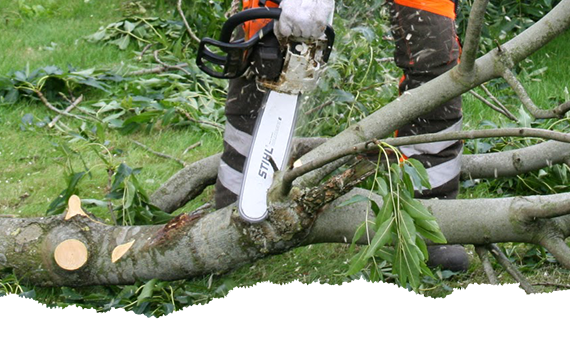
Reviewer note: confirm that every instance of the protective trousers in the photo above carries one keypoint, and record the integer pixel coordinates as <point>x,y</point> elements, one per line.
<point>426,46</point>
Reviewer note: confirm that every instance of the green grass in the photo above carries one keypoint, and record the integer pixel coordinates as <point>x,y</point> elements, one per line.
<point>31,166</point>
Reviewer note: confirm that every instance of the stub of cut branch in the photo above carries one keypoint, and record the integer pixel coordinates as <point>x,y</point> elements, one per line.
<point>528,103</point>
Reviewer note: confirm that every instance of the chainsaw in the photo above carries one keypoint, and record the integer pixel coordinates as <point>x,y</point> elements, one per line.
<point>300,63</point>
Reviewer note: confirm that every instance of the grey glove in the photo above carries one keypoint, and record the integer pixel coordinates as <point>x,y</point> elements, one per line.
<point>304,18</point>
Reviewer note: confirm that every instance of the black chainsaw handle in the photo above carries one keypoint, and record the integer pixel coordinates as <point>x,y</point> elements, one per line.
<point>236,60</point>
<point>236,20</point>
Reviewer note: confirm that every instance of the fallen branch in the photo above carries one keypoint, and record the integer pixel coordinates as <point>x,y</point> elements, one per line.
<point>160,154</point>
<point>511,269</point>
<point>194,120</point>
<point>496,100</point>
<point>65,112</point>
<point>156,70</point>
<point>492,106</point>
<point>486,262</point>
<point>192,147</point>
<point>295,173</point>
<point>188,29</point>
<point>168,66</point>
<point>518,88</point>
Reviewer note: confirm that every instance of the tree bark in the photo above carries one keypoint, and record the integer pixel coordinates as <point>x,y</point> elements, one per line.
<point>220,241</point>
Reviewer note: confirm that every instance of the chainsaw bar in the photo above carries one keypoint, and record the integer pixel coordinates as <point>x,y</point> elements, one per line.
<point>269,152</point>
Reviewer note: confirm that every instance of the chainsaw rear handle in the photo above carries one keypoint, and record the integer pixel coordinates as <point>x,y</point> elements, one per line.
<point>237,58</point>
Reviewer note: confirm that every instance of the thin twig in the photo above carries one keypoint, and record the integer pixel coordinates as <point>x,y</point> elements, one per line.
<point>317,108</point>
<point>190,118</point>
<point>188,29</point>
<point>156,70</point>
<point>385,60</point>
<point>511,269</point>
<point>293,174</point>
<point>168,65</point>
<point>549,284</point>
<point>518,88</point>
<point>61,112</point>
<point>110,173</point>
<point>234,8</point>
<point>487,267</point>
<point>496,100</point>
<point>160,154</point>
<point>492,106</point>
<point>8,216</point>
<point>472,37</point>
<point>147,47</point>
<point>192,147</point>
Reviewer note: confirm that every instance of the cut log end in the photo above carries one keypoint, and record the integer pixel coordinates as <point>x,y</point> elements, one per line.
<point>121,250</point>
<point>74,207</point>
<point>71,254</point>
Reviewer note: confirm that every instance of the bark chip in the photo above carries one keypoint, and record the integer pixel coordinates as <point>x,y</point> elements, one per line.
<point>71,254</point>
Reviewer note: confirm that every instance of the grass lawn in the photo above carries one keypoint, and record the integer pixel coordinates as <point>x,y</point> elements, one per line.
<point>32,163</point>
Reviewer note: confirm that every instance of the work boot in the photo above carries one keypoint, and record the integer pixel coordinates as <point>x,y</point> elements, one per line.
<point>450,257</point>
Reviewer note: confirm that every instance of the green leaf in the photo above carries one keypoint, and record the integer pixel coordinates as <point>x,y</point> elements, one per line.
<point>415,209</point>
<point>129,26</point>
<point>58,205</point>
<point>357,235</point>
<point>357,262</point>
<point>406,228</point>
<point>419,172</point>
<point>147,290</point>
<point>131,192</point>
<point>123,171</point>
<point>122,42</point>
<point>382,187</point>
<point>381,237</point>
<point>386,212</point>
<point>430,230</point>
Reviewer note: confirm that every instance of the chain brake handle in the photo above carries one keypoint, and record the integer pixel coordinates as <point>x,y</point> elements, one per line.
<point>237,58</point>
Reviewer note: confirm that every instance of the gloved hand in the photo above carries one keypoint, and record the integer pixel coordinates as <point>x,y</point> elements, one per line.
<point>304,18</point>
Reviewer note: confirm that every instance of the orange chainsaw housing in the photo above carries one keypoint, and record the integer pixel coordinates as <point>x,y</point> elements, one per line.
<point>253,26</point>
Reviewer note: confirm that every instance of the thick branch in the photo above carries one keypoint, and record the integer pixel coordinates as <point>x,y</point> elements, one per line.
<point>514,162</point>
<point>186,184</point>
<point>472,37</point>
<point>192,246</point>
<point>518,88</point>
<point>416,102</point>
<point>559,249</point>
